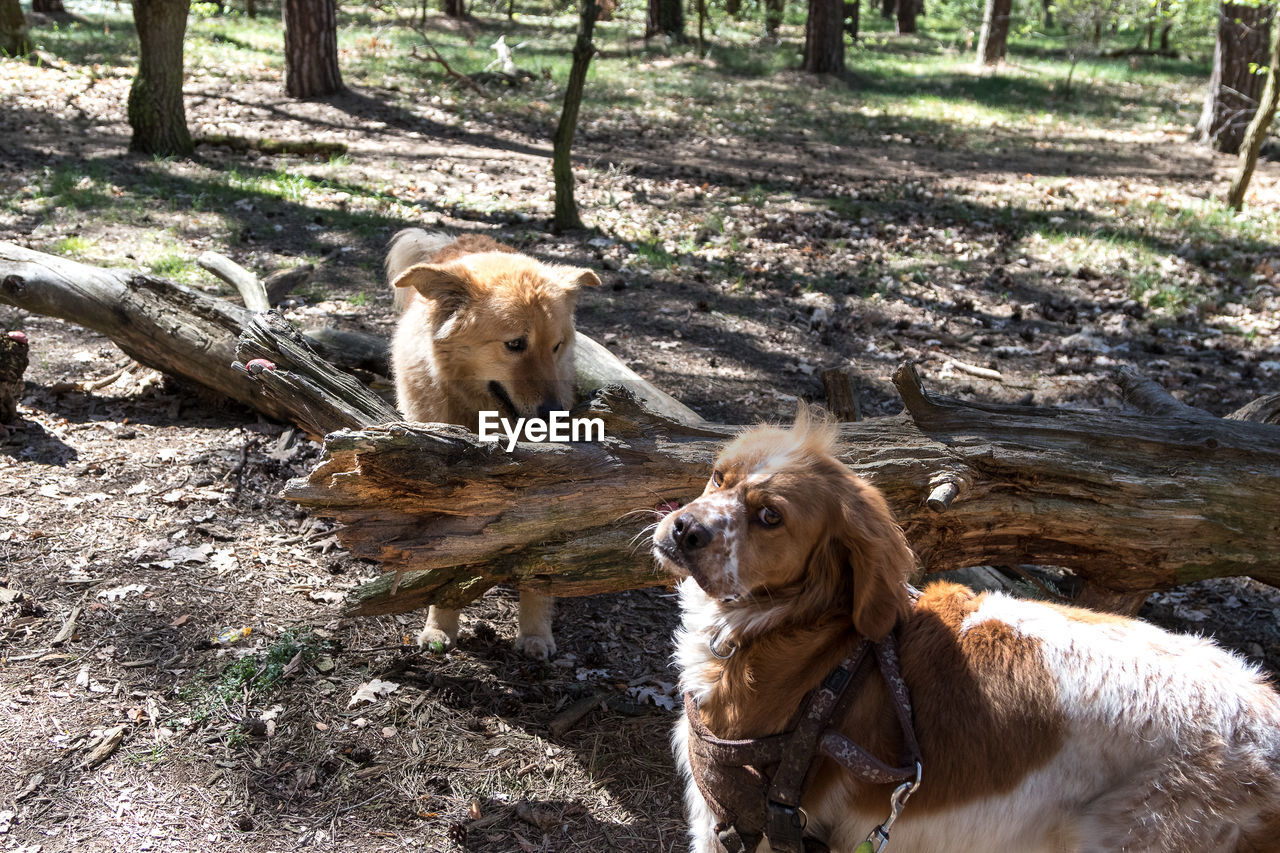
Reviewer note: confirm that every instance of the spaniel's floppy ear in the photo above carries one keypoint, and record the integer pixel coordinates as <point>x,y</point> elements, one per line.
<point>879,558</point>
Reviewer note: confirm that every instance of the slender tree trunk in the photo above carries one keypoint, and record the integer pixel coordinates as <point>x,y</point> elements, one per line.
<point>48,7</point>
<point>733,8</point>
<point>454,8</point>
<point>886,9</point>
<point>665,17</point>
<point>1164,37</point>
<point>995,32</point>
<point>702,22</point>
<point>251,8</point>
<point>1256,133</point>
<point>15,39</point>
<point>311,48</point>
<point>1047,7</point>
<point>566,208</point>
<point>157,114</point>
<point>773,10</point>
<point>906,17</point>
<point>824,37</point>
<point>1240,49</point>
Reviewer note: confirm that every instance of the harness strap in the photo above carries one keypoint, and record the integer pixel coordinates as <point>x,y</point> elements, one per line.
<point>753,786</point>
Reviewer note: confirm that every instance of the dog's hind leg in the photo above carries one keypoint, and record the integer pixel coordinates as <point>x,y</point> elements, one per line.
<point>441,630</point>
<point>535,640</point>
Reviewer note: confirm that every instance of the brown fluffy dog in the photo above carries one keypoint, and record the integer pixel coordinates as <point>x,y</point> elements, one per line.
<point>483,328</point>
<point>1042,728</point>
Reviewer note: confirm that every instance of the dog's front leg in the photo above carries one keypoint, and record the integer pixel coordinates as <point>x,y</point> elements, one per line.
<point>535,640</point>
<point>441,630</point>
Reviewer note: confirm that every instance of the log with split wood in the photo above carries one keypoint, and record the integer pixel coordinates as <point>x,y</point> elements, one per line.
<point>1129,501</point>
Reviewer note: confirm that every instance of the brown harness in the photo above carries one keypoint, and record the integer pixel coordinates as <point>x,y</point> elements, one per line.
<point>754,786</point>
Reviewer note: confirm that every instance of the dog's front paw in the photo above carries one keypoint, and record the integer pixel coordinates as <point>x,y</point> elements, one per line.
<point>433,639</point>
<point>536,646</point>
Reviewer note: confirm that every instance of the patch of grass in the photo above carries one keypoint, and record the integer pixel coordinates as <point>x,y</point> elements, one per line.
<point>171,265</point>
<point>72,245</point>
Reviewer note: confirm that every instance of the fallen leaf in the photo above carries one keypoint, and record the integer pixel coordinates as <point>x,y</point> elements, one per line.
<point>371,690</point>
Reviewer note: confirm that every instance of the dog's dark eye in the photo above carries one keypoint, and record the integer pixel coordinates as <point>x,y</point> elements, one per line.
<point>717,479</point>
<point>517,344</point>
<point>769,516</point>
<point>556,348</point>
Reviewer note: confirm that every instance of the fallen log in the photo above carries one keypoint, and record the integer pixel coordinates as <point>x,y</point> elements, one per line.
<point>188,334</point>
<point>1130,502</point>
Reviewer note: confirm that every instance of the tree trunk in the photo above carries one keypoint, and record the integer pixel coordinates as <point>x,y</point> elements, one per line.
<point>906,23</point>
<point>251,8</point>
<point>1047,13</point>
<point>1129,502</point>
<point>733,8</point>
<point>15,38</point>
<point>311,48</point>
<point>995,31</point>
<point>454,8</point>
<point>773,14</point>
<point>157,114</point>
<point>665,17</point>
<point>14,352</point>
<point>886,8</point>
<point>48,7</point>
<point>1234,87</point>
<point>566,208</point>
<point>851,21</point>
<point>824,37</point>
<point>1257,131</point>
<point>1164,37</point>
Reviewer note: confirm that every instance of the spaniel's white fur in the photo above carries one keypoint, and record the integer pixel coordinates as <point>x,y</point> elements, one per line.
<point>1042,727</point>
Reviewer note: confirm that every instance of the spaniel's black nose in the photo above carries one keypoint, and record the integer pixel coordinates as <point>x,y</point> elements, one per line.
<point>689,533</point>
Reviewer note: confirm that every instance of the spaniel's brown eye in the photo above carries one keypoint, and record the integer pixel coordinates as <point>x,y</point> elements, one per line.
<point>556,348</point>
<point>517,344</point>
<point>769,516</point>
<point>717,479</point>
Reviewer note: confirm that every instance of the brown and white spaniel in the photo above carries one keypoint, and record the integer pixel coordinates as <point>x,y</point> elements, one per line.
<point>1041,727</point>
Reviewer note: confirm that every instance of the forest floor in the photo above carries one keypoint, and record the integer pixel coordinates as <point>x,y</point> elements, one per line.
<point>751,226</point>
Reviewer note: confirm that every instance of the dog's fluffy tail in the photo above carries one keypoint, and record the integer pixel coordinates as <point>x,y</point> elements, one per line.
<point>412,246</point>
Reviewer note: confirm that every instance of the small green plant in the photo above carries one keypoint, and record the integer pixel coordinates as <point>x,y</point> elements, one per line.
<point>359,299</point>
<point>171,265</point>
<point>73,245</point>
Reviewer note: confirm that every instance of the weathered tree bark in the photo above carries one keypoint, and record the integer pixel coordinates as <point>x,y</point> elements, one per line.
<point>13,364</point>
<point>157,114</point>
<point>1129,502</point>
<point>1258,128</point>
<point>906,17</point>
<point>566,207</point>
<point>15,35</point>
<point>994,39</point>
<point>1240,49</point>
<point>311,48</point>
<point>824,37</point>
<point>666,18</point>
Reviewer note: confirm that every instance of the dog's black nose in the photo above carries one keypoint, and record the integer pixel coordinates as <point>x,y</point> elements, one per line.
<point>689,533</point>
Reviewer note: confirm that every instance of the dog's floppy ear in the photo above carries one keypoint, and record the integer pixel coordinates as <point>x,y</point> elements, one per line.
<point>879,558</point>
<point>438,284</point>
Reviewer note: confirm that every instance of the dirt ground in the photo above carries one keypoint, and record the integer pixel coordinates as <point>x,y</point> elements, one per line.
<point>173,670</point>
